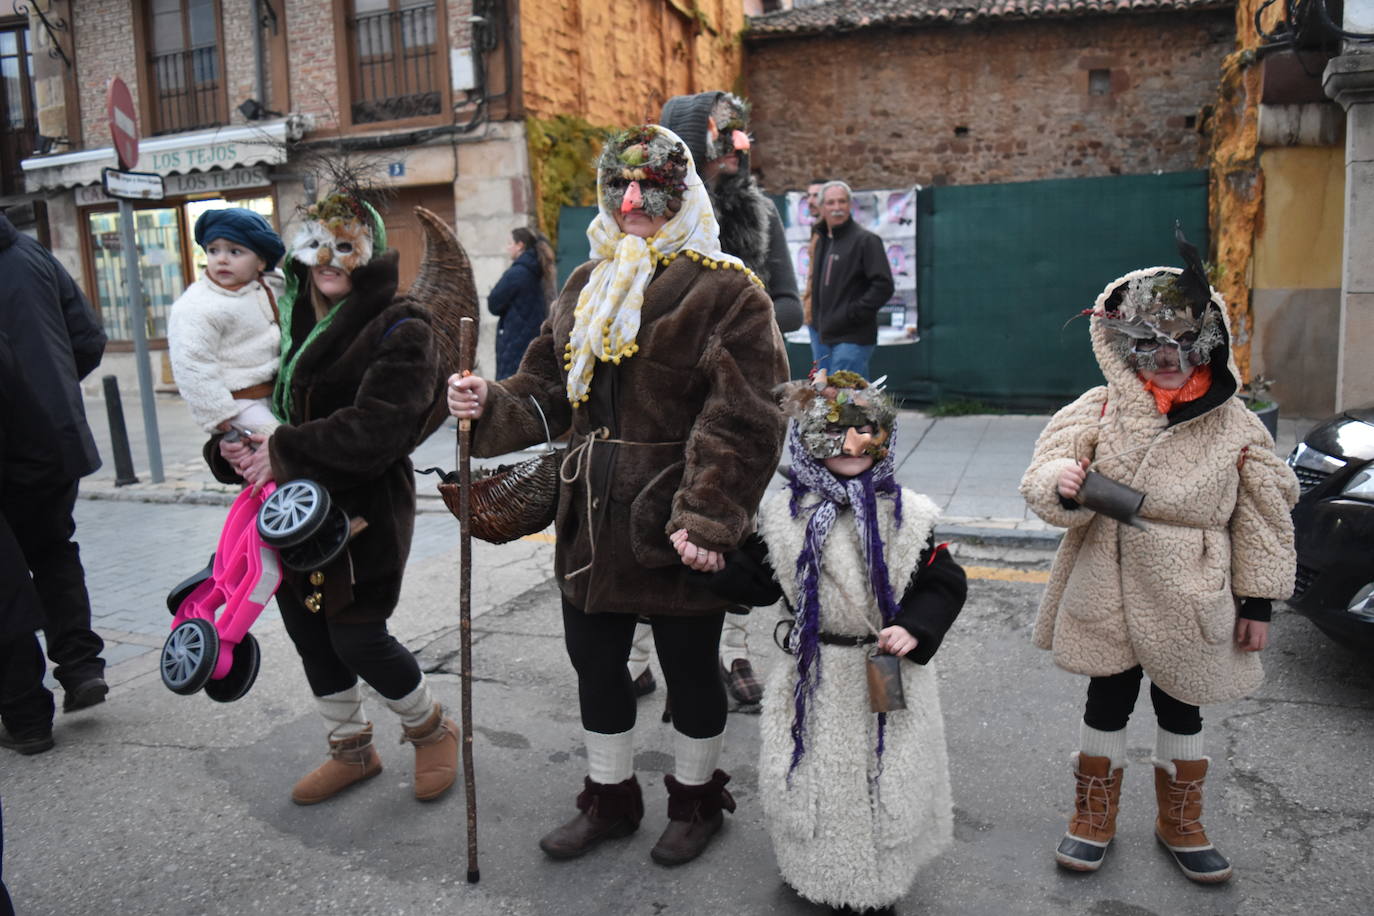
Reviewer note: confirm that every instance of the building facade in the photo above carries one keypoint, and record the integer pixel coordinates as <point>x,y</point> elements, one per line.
<point>237,99</point>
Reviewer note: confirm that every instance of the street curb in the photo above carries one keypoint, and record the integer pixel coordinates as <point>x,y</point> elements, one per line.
<point>1000,537</point>
<point>431,503</point>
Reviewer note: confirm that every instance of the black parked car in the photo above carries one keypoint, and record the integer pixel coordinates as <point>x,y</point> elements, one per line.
<point>1334,526</point>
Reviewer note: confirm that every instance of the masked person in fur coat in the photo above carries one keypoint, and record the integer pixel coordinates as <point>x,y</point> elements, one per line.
<point>1182,593</point>
<point>659,356</point>
<point>856,801</point>
<point>715,127</point>
<point>358,382</point>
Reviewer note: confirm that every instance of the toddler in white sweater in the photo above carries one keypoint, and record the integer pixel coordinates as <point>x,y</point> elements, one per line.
<point>223,334</point>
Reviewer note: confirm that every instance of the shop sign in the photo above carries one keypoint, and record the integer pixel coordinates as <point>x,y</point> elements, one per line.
<point>132,185</point>
<point>183,185</point>
<point>211,155</point>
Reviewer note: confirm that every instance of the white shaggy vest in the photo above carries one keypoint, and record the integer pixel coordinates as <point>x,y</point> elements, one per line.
<point>844,831</point>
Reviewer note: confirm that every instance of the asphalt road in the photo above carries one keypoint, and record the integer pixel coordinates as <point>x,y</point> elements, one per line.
<point>159,804</point>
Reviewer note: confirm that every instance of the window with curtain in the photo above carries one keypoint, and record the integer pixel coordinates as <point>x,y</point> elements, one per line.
<point>185,66</point>
<point>18,117</point>
<point>395,60</point>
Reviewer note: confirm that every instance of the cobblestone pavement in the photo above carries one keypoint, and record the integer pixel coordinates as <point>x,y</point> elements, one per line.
<point>135,552</point>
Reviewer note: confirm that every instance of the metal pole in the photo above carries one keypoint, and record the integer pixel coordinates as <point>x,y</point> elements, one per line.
<point>466,346</point>
<point>119,433</point>
<point>133,288</point>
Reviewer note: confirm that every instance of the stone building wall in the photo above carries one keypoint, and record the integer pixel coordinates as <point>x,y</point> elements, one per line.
<point>1010,101</point>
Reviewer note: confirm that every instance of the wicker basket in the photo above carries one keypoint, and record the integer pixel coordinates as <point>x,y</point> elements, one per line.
<point>511,501</point>
<point>514,500</point>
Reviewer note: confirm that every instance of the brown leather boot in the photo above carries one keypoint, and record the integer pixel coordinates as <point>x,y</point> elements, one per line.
<point>436,754</point>
<point>607,811</point>
<point>1097,797</point>
<point>1178,793</point>
<point>694,816</point>
<point>351,760</point>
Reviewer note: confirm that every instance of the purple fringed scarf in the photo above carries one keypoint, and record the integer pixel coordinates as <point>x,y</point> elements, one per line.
<point>807,475</point>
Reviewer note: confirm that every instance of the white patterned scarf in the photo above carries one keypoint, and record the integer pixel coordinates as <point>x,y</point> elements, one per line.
<point>606,319</point>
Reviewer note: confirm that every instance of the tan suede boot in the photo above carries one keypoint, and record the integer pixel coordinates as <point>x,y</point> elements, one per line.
<point>436,754</point>
<point>1178,793</point>
<point>351,760</point>
<point>1097,797</point>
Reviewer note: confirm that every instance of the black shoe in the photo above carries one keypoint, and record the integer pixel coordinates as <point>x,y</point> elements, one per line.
<point>645,684</point>
<point>36,743</point>
<point>87,693</point>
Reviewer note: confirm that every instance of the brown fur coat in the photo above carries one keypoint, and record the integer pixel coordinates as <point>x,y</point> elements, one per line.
<point>360,395</point>
<point>699,390</point>
<point>1217,527</point>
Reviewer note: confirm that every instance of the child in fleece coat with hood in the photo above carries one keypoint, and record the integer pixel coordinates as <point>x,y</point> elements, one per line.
<point>1182,593</point>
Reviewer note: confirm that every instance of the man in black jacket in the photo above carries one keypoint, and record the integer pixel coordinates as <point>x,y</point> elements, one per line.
<point>57,341</point>
<point>850,280</point>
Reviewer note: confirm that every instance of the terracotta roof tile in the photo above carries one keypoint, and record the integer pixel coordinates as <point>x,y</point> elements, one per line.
<point>853,15</point>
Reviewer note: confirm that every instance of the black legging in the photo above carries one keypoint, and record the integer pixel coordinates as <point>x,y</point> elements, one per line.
<point>1111,700</point>
<point>335,655</point>
<point>599,644</point>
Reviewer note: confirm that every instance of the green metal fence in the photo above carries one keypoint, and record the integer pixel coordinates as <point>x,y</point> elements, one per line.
<point>1003,269</point>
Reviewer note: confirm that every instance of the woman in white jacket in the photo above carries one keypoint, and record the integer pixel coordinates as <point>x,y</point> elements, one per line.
<point>1181,594</point>
<point>223,334</point>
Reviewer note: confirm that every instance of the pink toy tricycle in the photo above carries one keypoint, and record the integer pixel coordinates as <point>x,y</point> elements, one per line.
<point>293,525</point>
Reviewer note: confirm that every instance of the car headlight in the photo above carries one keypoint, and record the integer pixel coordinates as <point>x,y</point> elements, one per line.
<point>1361,486</point>
<point>1362,604</point>
<point>1305,456</point>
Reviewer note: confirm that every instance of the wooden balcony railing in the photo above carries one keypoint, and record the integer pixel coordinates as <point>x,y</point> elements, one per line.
<point>394,59</point>
<point>188,90</point>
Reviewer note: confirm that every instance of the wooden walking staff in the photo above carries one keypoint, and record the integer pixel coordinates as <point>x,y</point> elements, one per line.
<point>467,346</point>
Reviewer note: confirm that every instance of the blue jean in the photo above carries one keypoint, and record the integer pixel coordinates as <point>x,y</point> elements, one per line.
<point>841,356</point>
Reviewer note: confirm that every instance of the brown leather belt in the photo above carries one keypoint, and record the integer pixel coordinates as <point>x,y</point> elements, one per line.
<point>252,392</point>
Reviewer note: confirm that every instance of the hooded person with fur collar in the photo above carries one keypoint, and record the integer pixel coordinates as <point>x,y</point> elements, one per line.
<point>659,358</point>
<point>1182,593</point>
<point>715,126</point>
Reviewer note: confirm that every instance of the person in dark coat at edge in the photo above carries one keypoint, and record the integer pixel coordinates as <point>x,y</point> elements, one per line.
<point>715,127</point>
<point>56,341</point>
<point>27,442</point>
<point>358,384</point>
<point>850,281</point>
<point>521,298</point>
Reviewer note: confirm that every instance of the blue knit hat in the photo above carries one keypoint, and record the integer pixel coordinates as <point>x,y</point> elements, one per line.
<point>243,226</point>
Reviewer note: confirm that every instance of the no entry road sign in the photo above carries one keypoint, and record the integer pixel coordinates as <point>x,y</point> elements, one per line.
<point>123,124</point>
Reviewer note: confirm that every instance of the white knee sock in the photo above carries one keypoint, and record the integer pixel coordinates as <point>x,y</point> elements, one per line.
<point>415,707</point>
<point>734,640</point>
<point>1097,743</point>
<point>639,650</point>
<point>695,758</point>
<point>610,758</point>
<point>1170,746</point>
<point>343,711</point>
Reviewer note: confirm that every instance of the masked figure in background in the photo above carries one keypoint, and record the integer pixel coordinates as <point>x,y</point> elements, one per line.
<point>715,127</point>
<point>1182,593</point>
<point>659,357</point>
<point>356,391</point>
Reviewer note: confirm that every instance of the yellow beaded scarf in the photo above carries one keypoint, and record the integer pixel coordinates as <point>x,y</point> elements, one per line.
<point>606,318</point>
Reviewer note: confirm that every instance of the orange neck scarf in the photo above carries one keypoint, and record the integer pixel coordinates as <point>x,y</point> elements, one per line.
<point>1166,399</point>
